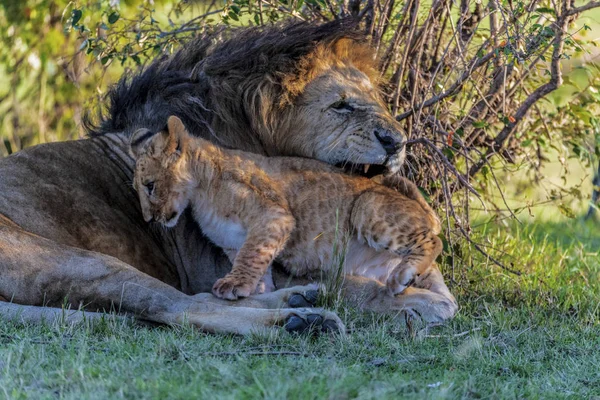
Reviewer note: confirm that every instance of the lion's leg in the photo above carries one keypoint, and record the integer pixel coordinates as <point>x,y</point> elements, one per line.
<point>37,271</point>
<point>294,297</point>
<point>429,296</point>
<point>38,315</point>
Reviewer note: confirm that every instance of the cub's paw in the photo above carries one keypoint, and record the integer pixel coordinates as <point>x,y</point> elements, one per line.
<point>400,279</point>
<point>232,288</point>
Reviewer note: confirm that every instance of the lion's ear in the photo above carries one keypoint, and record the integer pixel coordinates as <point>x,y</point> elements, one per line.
<point>177,135</point>
<point>139,140</point>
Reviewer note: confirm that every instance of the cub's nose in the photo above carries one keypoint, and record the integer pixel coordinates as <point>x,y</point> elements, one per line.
<point>390,144</point>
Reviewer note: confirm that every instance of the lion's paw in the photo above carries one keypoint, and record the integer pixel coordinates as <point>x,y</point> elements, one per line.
<point>313,320</point>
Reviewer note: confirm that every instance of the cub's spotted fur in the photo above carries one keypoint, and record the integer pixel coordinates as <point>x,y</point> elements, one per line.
<point>263,208</point>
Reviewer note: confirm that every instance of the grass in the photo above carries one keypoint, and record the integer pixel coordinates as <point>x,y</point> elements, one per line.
<point>531,336</point>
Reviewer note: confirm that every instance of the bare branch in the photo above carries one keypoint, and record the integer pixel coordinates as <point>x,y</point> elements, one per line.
<point>554,82</point>
<point>456,86</point>
<point>578,10</point>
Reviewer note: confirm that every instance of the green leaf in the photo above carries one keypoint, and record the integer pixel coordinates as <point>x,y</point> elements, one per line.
<point>233,16</point>
<point>480,124</point>
<point>235,9</point>
<point>256,19</point>
<point>566,211</point>
<point>114,17</point>
<point>545,10</point>
<point>83,45</point>
<point>75,16</point>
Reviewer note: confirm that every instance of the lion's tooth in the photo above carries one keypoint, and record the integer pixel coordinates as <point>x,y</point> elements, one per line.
<point>367,167</point>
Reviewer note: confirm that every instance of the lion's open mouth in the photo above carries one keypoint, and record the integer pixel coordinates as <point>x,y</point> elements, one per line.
<point>392,165</point>
<point>366,170</point>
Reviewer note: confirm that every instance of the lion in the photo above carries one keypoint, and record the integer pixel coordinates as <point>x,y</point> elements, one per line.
<point>295,210</point>
<point>71,229</point>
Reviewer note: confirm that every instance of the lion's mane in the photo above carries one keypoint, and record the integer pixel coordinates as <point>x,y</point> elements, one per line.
<point>234,85</point>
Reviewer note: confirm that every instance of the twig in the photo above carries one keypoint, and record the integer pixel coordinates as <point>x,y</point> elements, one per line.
<point>466,234</point>
<point>477,63</point>
<point>446,163</point>
<point>456,335</point>
<point>554,82</point>
<point>256,353</point>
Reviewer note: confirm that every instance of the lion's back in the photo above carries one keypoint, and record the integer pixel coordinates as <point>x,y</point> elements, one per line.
<point>74,194</point>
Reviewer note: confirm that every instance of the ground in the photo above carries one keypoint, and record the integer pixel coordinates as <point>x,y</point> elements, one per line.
<point>531,336</point>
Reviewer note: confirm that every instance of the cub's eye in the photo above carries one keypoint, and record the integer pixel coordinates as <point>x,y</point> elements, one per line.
<point>342,106</point>
<point>150,187</point>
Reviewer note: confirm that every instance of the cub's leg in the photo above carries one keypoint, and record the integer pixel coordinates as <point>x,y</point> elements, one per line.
<point>265,285</point>
<point>410,190</point>
<point>391,222</point>
<point>264,240</point>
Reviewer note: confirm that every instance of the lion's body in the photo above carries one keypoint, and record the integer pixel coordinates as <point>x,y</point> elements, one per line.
<point>71,230</point>
<point>296,210</point>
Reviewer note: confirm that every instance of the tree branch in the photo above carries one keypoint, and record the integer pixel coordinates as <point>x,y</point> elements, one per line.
<point>456,86</point>
<point>589,6</point>
<point>554,82</point>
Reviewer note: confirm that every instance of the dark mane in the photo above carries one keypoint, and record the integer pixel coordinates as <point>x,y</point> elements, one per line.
<point>215,81</point>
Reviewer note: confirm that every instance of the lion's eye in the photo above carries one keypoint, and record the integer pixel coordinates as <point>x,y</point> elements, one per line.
<point>342,106</point>
<point>150,187</point>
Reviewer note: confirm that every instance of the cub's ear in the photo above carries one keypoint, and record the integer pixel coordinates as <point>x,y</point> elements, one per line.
<point>177,135</point>
<point>139,140</point>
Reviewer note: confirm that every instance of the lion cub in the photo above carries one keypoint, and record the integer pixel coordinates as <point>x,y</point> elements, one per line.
<point>258,209</point>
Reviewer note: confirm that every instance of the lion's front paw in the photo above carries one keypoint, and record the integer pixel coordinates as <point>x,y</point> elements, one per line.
<point>232,288</point>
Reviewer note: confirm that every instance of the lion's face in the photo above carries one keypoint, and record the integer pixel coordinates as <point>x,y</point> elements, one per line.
<point>162,189</point>
<point>340,119</point>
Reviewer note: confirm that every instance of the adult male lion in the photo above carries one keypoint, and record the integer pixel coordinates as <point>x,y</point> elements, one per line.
<point>71,230</point>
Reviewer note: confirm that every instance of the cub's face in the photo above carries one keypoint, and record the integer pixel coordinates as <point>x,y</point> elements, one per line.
<point>160,190</point>
<point>160,179</point>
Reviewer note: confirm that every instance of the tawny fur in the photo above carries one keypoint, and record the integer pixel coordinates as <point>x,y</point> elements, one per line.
<point>77,238</point>
<point>259,209</point>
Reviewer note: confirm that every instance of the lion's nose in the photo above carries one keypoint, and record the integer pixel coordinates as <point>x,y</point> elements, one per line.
<point>390,144</point>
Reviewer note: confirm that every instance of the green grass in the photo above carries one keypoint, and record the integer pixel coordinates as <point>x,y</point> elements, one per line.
<point>531,336</point>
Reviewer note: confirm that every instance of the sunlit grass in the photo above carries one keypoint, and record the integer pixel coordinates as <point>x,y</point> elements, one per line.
<point>531,336</point>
